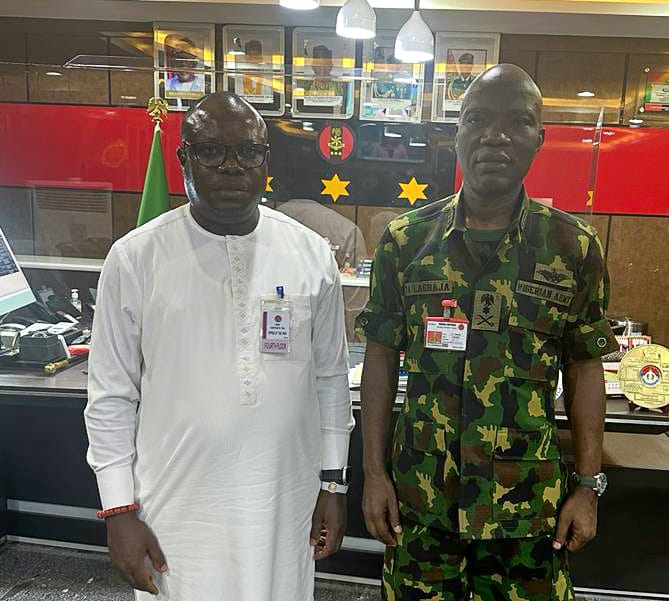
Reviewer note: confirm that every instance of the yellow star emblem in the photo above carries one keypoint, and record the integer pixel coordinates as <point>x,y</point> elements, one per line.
<point>335,187</point>
<point>268,187</point>
<point>413,191</point>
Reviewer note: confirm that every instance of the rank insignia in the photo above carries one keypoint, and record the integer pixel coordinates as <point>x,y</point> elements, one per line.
<point>487,310</point>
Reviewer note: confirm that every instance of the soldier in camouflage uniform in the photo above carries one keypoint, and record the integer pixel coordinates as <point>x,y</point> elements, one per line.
<point>476,470</point>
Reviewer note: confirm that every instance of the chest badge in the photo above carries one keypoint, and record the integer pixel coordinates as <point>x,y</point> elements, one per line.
<point>553,275</point>
<point>487,311</point>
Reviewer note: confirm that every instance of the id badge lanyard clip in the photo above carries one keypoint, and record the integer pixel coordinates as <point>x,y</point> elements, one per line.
<point>275,331</point>
<point>446,333</point>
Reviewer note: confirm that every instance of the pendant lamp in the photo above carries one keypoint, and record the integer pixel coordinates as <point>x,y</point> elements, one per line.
<point>300,4</point>
<point>414,42</point>
<point>356,19</point>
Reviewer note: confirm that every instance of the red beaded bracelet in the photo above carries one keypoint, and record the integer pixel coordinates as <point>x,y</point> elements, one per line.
<point>105,513</point>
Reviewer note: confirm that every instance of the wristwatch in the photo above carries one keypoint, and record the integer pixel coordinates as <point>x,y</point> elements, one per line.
<point>597,482</point>
<point>335,481</point>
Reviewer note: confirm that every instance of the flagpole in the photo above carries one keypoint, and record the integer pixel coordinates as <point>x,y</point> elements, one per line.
<point>155,194</point>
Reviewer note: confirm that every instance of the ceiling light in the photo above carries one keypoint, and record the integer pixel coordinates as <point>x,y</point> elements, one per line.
<point>54,73</point>
<point>417,144</point>
<point>636,121</point>
<point>356,19</point>
<point>586,94</point>
<point>300,4</point>
<point>414,42</point>
<point>391,134</point>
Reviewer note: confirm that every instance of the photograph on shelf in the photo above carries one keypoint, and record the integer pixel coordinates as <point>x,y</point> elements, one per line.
<point>183,57</point>
<point>253,58</point>
<point>390,90</point>
<point>323,69</point>
<point>459,58</point>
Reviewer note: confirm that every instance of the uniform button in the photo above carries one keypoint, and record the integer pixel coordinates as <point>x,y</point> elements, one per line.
<point>601,342</point>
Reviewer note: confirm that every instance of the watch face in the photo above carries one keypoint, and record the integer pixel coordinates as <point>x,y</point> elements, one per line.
<point>601,482</point>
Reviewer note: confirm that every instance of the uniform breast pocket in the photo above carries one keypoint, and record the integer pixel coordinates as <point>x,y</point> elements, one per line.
<point>529,478</point>
<point>300,332</point>
<point>535,333</point>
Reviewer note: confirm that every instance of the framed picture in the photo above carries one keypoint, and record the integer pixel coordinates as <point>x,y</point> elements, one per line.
<point>253,59</point>
<point>323,70</point>
<point>183,56</point>
<point>656,91</point>
<point>459,58</point>
<point>390,90</point>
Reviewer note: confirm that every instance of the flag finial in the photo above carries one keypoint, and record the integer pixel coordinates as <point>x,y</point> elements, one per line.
<point>157,109</point>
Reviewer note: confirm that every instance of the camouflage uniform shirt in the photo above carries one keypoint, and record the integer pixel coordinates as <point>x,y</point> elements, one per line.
<point>475,448</point>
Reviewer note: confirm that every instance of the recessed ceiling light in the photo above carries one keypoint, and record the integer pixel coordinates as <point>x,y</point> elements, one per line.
<point>636,121</point>
<point>54,74</point>
<point>586,94</point>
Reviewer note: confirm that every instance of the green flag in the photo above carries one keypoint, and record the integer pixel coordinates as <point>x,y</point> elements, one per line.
<point>155,197</point>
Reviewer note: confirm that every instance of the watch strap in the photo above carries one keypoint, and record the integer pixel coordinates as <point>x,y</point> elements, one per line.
<point>340,476</point>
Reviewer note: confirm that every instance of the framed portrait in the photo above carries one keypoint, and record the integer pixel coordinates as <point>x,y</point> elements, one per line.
<point>253,59</point>
<point>323,70</point>
<point>390,90</point>
<point>459,58</point>
<point>183,55</point>
<point>656,91</point>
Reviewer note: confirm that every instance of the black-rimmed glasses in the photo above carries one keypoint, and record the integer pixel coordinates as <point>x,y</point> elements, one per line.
<point>211,154</point>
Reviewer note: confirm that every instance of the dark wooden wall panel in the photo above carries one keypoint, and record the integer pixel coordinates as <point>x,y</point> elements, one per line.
<point>12,75</point>
<point>526,59</point>
<point>562,75</point>
<point>638,261</point>
<point>73,86</point>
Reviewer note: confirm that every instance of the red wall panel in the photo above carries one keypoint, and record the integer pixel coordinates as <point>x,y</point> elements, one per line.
<point>82,146</point>
<point>100,147</point>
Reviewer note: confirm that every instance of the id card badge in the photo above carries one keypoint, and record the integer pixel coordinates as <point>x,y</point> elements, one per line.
<point>446,333</point>
<point>275,327</point>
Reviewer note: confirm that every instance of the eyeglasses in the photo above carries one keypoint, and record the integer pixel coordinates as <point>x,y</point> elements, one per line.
<point>211,154</point>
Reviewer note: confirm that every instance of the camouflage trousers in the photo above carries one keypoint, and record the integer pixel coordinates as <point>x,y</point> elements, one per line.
<point>433,565</point>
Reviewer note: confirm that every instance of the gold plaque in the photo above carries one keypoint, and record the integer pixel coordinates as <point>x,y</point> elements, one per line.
<point>644,376</point>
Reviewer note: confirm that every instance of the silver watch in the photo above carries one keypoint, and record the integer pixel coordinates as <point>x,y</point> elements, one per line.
<point>598,482</point>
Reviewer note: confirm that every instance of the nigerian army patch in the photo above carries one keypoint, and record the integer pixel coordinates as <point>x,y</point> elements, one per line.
<point>547,293</point>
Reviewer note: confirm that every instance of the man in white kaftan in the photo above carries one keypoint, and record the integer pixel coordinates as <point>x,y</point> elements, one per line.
<point>221,445</point>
